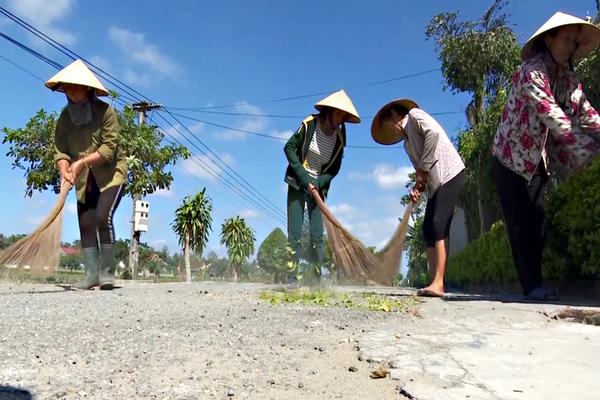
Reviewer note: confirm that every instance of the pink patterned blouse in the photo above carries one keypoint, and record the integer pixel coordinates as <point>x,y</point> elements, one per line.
<point>546,118</point>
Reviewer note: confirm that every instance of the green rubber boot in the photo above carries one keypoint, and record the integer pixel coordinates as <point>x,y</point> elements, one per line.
<point>107,266</point>
<point>90,259</point>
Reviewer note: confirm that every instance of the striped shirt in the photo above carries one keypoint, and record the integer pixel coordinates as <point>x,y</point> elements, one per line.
<point>319,152</point>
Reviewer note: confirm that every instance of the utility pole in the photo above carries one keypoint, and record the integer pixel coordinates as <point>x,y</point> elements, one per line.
<point>136,230</point>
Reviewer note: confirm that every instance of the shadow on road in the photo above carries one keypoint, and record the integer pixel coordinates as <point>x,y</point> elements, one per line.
<point>506,298</point>
<point>13,393</point>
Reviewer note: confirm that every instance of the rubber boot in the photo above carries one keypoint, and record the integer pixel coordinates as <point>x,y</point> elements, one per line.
<point>107,266</point>
<point>90,259</point>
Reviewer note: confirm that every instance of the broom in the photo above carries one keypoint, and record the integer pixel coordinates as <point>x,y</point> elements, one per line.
<point>41,249</point>
<point>358,262</point>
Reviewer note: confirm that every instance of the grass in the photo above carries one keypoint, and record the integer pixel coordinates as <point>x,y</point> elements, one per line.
<point>329,298</point>
<point>56,278</point>
<point>62,277</point>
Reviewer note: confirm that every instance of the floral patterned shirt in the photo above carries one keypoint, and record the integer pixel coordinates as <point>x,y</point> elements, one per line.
<point>544,117</point>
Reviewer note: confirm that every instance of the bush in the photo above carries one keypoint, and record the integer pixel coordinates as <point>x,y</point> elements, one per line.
<point>573,216</point>
<point>485,260</point>
<point>573,238</point>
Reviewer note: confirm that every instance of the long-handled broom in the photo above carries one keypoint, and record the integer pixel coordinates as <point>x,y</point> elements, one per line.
<point>41,249</point>
<point>354,258</point>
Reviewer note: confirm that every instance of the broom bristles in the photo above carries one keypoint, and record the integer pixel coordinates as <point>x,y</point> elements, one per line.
<point>41,249</point>
<point>358,262</point>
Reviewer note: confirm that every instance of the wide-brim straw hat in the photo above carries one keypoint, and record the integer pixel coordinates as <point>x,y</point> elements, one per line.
<point>381,130</point>
<point>341,101</point>
<point>76,73</point>
<point>589,39</point>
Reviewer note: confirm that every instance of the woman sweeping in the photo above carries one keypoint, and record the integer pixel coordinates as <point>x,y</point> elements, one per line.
<point>439,172</point>
<point>87,156</point>
<point>547,125</point>
<point>314,153</point>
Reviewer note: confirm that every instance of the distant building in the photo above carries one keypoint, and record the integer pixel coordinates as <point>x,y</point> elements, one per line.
<point>69,251</point>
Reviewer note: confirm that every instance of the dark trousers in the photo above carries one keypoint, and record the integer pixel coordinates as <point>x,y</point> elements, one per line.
<point>523,208</point>
<point>96,214</point>
<point>296,200</point>
<point>440,210</point>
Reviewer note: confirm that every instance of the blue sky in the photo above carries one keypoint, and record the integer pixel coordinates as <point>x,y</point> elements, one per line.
<point>198,54</point>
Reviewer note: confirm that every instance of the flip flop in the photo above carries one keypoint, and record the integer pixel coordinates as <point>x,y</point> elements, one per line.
<point>428,293</point>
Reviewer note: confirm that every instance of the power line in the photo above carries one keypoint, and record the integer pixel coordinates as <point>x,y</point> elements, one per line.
<point>31,51</point>
<point>21,68</point>
<point>227,167</point>
<point>303,96</point>
<point>68,52</point>
<point>277,214</point>
<point>277,115</point>
<point>199,162</point>
<point>264,135</point>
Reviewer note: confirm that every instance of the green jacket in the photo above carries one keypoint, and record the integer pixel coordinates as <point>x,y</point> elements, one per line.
<point>296,149</point>
<point>101,134</point>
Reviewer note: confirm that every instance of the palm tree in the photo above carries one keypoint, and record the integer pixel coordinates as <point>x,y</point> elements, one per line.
<point>239,240</point>
<point>192,224</point>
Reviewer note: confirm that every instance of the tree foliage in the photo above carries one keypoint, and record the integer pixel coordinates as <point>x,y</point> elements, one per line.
<point>147,155</point>
<point>239,239</point>
<point>32,150</point>
<point>478,57</point>
<point>272,255</point>
<point>192,225</point>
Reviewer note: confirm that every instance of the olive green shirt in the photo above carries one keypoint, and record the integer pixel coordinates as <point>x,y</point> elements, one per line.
<point>101,134</point>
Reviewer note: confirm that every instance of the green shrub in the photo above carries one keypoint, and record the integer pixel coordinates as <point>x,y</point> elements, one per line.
<point>573,238</point>
<point>573,216</point>
<point>485,260</point>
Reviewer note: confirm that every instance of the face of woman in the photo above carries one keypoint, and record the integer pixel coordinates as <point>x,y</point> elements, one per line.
<point>336,116</point>
<point>76,93</point>
<point>396,122</point>
<point>564,43</point>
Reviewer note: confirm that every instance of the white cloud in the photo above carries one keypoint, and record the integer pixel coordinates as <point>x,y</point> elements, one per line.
<point>43,15</point>
<point>386,176</point>
<point>248,214</point>
<point>101,63</point>
<point>33,220</point>
<point>177,131</point>
<point>342,209</point>
<point>166,193</point>
<point>282,134</point>
<point>139,53</point>
<point>204,167</point>
<point>251,124</point>
<point>71,208</point>
<point>196,127</point>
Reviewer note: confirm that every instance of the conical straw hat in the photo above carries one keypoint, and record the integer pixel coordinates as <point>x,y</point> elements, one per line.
<point>588,41</point>
<point>382,131</point>
<point>341,101</point>
<point>79,74</point>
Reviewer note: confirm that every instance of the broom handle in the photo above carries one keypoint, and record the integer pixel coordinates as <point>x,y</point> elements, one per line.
<point>323,207</point>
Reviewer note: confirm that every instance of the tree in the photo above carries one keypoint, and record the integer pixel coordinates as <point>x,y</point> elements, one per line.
<point>32,150</point>
<point>239,239</point>
<point>272,255</point>
<point>147,159</point>
<point>478,57</point>
<point>414,243</point>
<point>192,224</point>
<point>588,70</point>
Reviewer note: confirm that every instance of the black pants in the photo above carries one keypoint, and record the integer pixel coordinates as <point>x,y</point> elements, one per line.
<point>440,210</point>
<point>523,208</point>
<point>96,214</point>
